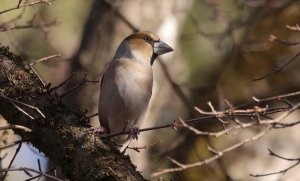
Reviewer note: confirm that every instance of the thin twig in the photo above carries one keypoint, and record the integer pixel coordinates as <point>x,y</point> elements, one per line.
<point>209,115</point>
<point>273,38</point>
<point>23,111</point>
<point>26,26</point>
<point>138,148</point>
<point>44,59</point>
<point>90,116</point>
<point>39,165</point>
<point>32,178</point>
<point>13,144</point>
<point>242,125</point>
<point>63,83</point>
<point>75,87</point>
<point>15,127</point>
<point>37,75</point>
<point>232,112</point>
<point>24,104</point>
<point>117,13</point>
<point>12,160</point>
<point>84,80</point>
<point>276,97</point>
<point>26,169</point>
<point>25,5</point>
<point>182,167</point>
<point>276,70</point>
<point>285,125</point>
<point>293,28</point>
<point>271,153</point>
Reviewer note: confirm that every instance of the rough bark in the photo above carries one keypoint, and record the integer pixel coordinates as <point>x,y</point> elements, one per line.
<point>61,134</point>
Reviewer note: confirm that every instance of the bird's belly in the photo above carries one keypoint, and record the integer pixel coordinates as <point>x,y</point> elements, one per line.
<point>124,99</point>
<point>135,93</point>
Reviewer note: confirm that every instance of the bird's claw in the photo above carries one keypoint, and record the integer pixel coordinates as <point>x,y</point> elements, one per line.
<point>135,131</point>
<point>97,130</point>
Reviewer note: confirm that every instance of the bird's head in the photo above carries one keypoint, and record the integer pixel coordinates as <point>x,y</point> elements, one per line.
<point>143,47</point>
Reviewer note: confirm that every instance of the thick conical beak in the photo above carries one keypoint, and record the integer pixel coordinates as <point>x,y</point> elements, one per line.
<point>161,47</point>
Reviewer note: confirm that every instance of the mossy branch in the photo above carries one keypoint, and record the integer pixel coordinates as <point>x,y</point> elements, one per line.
<point>58,130</point>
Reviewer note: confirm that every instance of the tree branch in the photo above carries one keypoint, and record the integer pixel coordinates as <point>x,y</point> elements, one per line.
<point>59,132</point>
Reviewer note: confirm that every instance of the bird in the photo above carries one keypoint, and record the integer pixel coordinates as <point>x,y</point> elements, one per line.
<point>126,86</point>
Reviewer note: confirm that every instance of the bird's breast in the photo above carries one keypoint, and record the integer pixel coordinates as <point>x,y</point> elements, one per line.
<point>134,83</point>
<point>125,94</point>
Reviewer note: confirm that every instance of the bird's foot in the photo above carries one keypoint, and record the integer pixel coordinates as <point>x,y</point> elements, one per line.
<point>97,130</point>
<point>135,131</point>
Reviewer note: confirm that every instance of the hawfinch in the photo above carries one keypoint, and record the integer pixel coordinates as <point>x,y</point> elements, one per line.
<point>126,85</point>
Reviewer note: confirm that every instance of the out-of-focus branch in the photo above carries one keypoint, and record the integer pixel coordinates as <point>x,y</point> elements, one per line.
<point>276,70</point>
<point>15,127</point>
<point>232,114</point>
<point>268,122</point>
<point>274,38</point>
<point>271,153</point>
<point>26,26</point>
<point>119,15</point>
<point>217,155</point>
<point>295,27</point>
<point>12,160</point>
<point>83,81</point>
<point>44,59</point>
<point>32,3</point>
<point>28,170</point>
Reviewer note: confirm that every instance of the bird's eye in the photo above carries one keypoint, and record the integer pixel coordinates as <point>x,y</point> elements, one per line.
<point>149,40</point>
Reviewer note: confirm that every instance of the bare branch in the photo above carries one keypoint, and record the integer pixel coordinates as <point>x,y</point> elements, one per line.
<point>27,4</point>
<point>49,171</point>
<point>296,27</point>
<point>276,70</point>
<point>117,13</point>
<point>26,26</point>
<point>37,75</point>
<point>238,112</point>
<point>24,104</point>
<point>138,148</point>
<point>15,127</point>
<point>206,161</point>
<point>271,153</point>
<point>276,97</point>
<point>23,111</point>
<point>12,160</point>
<point>13,144</point>
<point>44,59</point>
<point>84,80</point>
<point>274,38</point>
<point>285,125</point>
<point>63,83</point>
<point>27,170</point>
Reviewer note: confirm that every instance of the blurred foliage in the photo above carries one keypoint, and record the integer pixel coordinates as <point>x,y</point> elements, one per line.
<point>63,37</point>
<point>226,45</point>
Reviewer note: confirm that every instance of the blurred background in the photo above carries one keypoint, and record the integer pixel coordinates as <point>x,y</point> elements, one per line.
<point>220,47</point>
